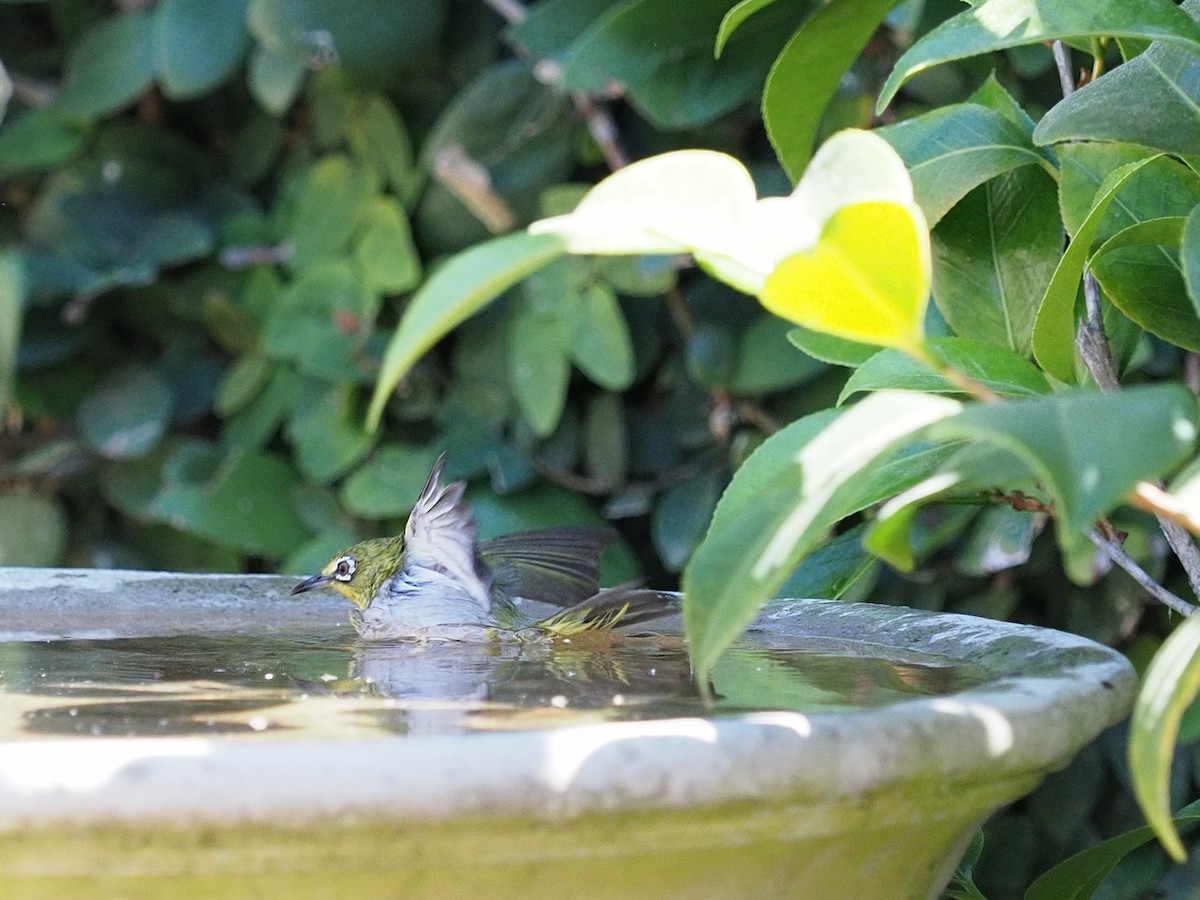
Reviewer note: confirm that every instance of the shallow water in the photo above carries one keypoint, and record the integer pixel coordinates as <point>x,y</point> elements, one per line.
<point>327,685</point>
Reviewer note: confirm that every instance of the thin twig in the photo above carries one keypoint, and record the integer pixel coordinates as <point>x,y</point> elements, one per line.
<point>1114,552</point>
<point>1062,59</point>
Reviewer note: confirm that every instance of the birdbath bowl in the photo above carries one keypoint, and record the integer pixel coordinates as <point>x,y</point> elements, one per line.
<point>209,736</point>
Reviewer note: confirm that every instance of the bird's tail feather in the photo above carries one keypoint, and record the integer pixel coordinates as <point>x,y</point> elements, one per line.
<point>612,608</point>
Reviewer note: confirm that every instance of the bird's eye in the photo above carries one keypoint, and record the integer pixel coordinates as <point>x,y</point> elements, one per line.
<point>344,568</point>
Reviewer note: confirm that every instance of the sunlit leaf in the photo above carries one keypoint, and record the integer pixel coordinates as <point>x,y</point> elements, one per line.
<point>866,280</point>
<point>332,200</point>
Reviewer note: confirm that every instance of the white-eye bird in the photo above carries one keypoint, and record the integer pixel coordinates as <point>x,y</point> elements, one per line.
<point>438,582</point>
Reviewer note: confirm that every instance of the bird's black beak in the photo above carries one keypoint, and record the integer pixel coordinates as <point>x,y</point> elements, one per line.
<point>309,583</point>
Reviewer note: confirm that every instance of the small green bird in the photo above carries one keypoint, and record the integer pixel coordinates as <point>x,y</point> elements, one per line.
<point>438,582</point>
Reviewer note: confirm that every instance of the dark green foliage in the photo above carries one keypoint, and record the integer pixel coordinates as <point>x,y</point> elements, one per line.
<point>214,215</point>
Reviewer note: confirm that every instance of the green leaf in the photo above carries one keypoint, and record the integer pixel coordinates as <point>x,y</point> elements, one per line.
<point>993,95</point>
<point>998,24</point>
<point>109,68</point>
<point>681,516</point>
<point>275,80</point>
<point>242,382</point>
<point>257,421</point>
<point>1152,100</point>
<point>711,355</point>
<point>238,501</point>
<point>538,367</point>
<point>551,27</point>
<point>333,198</point>
<point>735,17</point>
<point>964,468</point>
<point>389,483</point>
<point>831,569</point>
<point>36,140</point>
<point>677,83</point>
<point>323,319</point>
<point>829,349</point>
<point>326,436</point>
<point>370,39</point>
<point>1054,330</point>
<point>1146,282</point>
<point>6,89</point>
<point>991,365</point>
<point>601,345</point>
<point>1079,876</point>
<point>780,504</point>
<point>384,249</point>
<point>1189,255</point>
<point>994,255</point>
<point>35,530</point>
<point>127,414</point>
<point>1068,439</point>
<point>954,149</point>
<point>12,307</point>
<point>524,136</point>
<point>605,442</point>
<point>765,362</point>
<point>377,136</point>
<point>809,70</point>
<point>456,291</point>
<point>198,44</point>
<point>1001,539</point>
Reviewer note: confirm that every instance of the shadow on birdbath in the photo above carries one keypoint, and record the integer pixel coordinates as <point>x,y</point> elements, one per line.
<point>211,736</point>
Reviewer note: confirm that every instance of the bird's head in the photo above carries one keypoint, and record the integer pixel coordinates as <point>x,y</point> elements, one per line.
<point>359,571</point>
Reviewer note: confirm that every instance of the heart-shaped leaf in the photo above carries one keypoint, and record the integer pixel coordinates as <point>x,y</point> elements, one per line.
<point>867,279</point>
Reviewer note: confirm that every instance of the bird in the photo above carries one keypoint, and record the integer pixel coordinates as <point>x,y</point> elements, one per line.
<point>437,581</point>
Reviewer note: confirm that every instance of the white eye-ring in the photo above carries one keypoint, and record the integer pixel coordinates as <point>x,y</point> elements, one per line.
<point>344,568</point>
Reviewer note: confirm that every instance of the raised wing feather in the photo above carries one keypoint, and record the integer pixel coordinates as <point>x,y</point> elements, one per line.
<point>440,535</point>
<point>554,565</point>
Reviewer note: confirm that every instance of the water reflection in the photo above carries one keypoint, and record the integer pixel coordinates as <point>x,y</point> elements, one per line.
<point>328,686</point>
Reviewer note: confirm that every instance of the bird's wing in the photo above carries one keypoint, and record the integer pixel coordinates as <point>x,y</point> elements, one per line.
<point>554,565</point>
<point>440,534</point>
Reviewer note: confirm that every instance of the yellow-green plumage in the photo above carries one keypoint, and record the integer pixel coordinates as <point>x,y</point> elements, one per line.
<point>436,581</point>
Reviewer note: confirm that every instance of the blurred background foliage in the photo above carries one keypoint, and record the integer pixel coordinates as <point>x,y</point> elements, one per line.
<point>212,213</point>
